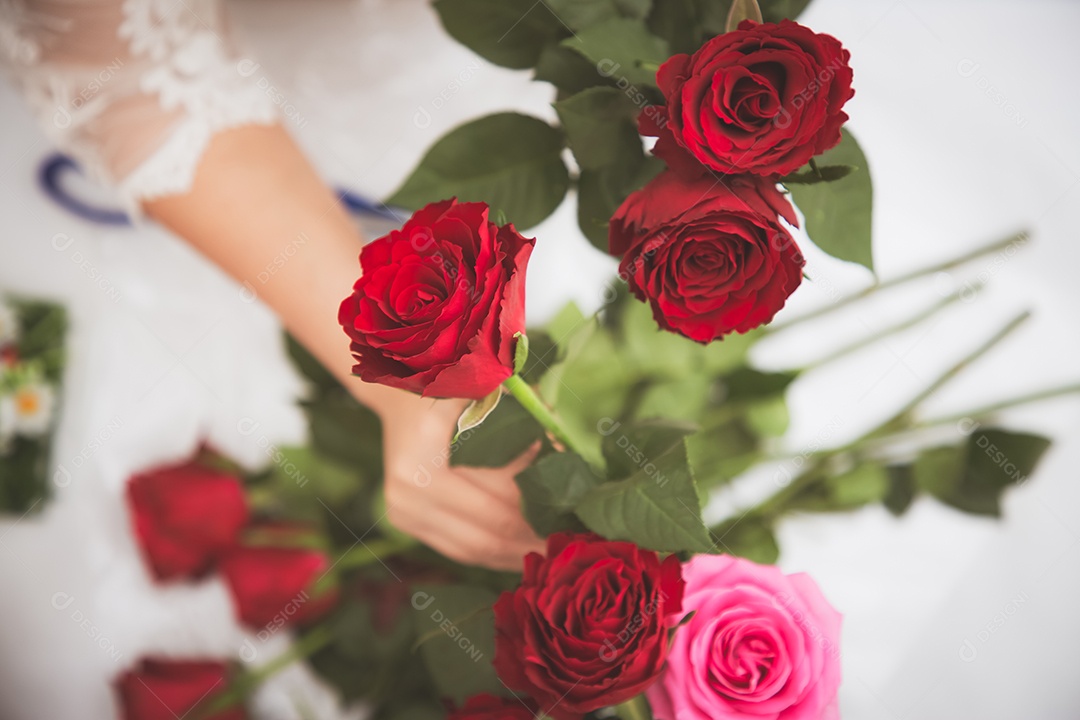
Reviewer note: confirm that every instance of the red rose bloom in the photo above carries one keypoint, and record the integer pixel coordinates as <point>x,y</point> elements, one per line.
<point>710,257</point>
<point>588,627</point>
<point>185,516</point>
<point>490,707</point>
<point>160,689</point>
<point>274,585</point>
<point>762,99</point>
<point>439,302</point>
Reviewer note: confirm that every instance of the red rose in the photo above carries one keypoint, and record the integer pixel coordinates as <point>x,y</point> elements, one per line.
<point>439,302</point>
<point>490,707</point>
<point>762,99</point>
<point>710,257</point>
<point>274,586</point>
<point>588,627</point>
<point>185,516</point>
<point>160,689</point>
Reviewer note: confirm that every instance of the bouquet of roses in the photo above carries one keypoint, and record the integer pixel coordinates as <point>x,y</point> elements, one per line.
<point>640,412</point>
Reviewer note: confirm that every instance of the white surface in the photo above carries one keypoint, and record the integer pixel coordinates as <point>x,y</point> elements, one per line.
<point>966,111</point>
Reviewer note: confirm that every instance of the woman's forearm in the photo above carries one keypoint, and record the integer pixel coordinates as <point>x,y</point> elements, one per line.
<point>259,211</point>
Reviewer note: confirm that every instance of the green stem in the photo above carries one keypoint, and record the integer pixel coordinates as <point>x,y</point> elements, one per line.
<point>901,279</point>
<point>774,504</point>
<point>374,550</point>
<point>992,408</point>
<point>529,400</point>
<point>636,708</point>
<point>903,415</point>
<point>891,330</point>
<point>245,684</point>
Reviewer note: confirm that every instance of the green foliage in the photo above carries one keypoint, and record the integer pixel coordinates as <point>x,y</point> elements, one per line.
<point>455,632</point>
<point>750,537</point>
<point>25,461</point>
<point>657,506</point>
<point>511,33</point>
<point>838,214</point>
<point>972,477</point>
<point>622,48</point>
<point>510,161</point>
<point>551,489</point>
<point>580,14</point>
<point>506,433</point>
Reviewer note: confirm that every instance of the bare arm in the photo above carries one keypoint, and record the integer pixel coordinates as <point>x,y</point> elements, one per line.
<point>254,195</point>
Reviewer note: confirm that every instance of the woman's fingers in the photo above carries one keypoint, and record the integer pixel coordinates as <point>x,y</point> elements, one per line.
<point>500,481</point>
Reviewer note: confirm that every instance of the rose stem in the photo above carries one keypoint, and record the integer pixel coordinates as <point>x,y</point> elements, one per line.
<point>891,330</point>
<point>307,644</point>
<point>636,708</point>
<point>1032,397</point>
<point>774,504</point>
<point>529,400</point>
<point>901,279</point>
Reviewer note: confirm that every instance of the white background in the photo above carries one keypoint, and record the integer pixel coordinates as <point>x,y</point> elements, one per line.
<point>966,111</point>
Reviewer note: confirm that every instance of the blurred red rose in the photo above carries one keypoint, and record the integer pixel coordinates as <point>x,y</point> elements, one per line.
<point>162,689</point>
<point>439,303</point>
<point>710,257</point>
<point>762,99</point>
<point>274,586</point>
<point>490,707</point>
<point>185,516</point>
<point>588,627</point>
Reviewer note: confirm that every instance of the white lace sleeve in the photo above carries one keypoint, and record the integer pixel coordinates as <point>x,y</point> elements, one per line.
<point>134,89</point>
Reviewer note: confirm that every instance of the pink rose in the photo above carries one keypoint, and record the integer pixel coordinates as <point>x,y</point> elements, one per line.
<point>760,645</point>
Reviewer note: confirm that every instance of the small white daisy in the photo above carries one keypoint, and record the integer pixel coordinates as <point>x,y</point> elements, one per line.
<point>9,325</point>
<point>34,404</point>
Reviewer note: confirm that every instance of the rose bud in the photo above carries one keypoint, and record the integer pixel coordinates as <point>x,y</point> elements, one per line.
<point>490,707</point>
<point>439,302</point>
<point>275,586</point>
<point>711,258</point>
<point>588,627</point>
<point>185,516</point>
<point>762,99</point>
<point>162,689</point>
<point>760,644</point>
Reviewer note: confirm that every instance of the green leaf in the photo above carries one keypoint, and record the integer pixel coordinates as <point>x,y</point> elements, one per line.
<point>750,537</point>
<point>345,431</point>
<point>622,48</point>
<point>512,162</point>
<point>862,485</point>
<point>510,33</point>
<point>776,10</point>
<point>455,629</point>
<point>901,491</point>
<point>657,507</point>
<point>551,489</point>
<point>567,70</point>
<point>308,366</point>
<point>972,477</point>
<point>826,173</point>
<point>572,332</point>
<point>838,214</point>
<point>720,452</point>
<point>769,417</point>
<point>521,352</point>
<point>508,431</point>
<point>600,127</point>
<point>477,411</point>
<point>601,192</point>
<point>748,384</point>
<point>580,14</point>
<point>299,471</point>
<point>742,10</point>
<point>631,447</point>
<point>685,398</point>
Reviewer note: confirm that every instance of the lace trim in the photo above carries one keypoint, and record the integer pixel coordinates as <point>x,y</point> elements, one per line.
<point>171,170</point>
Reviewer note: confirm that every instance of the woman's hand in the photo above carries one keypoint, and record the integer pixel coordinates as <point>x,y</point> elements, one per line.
<point>254,193</point>
<point>472,515</point>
